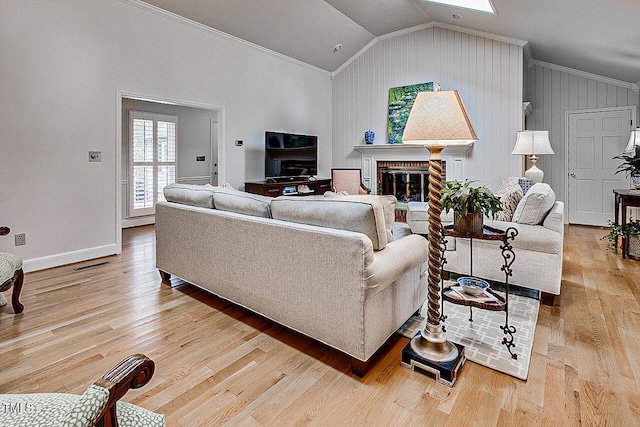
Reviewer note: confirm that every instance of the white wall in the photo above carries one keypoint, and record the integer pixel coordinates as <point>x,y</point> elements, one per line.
<point>486,72</point>
<point>61,65</point>
<point>553,90</point>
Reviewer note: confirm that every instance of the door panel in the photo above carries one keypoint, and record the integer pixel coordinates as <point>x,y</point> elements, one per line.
<point>594,139</point>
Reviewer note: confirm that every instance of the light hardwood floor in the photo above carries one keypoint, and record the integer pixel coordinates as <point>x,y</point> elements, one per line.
<point>217,363</point>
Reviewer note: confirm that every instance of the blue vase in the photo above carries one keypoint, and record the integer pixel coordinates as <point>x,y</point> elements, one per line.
<point>368,136</point>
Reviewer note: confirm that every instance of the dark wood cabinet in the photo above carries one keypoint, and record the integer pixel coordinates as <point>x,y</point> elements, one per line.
<point>290,187</point>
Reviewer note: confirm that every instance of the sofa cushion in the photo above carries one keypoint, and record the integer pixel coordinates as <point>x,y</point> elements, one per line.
<point>229,199</point>
<point>510,197</point>
<point>189,194</point>
<point>535,205</point>
<point>360,215</point>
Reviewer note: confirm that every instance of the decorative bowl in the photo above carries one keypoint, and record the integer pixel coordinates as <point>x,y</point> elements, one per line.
<point>473,285</point>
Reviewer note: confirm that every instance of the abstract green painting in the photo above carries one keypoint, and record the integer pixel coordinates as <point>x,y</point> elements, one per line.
<point>400,102</point>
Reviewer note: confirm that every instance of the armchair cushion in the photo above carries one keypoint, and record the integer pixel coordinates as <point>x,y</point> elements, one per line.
<point>9,264</point>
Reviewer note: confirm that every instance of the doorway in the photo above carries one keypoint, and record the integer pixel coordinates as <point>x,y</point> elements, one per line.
<point>199,153</point>
<point>594,138</point>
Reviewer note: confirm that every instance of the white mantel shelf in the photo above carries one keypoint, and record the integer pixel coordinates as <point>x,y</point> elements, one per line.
<point>378,149</point>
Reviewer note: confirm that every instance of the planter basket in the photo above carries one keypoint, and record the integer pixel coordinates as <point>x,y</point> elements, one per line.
<point>633,247</point>
<point>470,223</point>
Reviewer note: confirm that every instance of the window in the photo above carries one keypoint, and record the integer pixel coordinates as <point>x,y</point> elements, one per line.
<point>152,159</point>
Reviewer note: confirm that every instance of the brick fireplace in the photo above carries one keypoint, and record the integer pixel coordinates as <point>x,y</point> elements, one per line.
<point>405,168</point>
<point>407,180</point>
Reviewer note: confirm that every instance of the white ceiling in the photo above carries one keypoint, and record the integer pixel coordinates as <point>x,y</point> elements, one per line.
<point>578,34</point>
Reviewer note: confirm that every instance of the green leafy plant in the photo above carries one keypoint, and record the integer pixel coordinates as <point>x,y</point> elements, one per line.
<point>631,163</point>
<point>631,230</point>
<point>465,199</point>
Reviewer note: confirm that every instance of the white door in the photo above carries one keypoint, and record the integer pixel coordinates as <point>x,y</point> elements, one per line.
<point>594,139</point>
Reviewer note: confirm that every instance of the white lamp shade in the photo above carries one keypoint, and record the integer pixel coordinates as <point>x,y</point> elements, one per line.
<point>531,142</point>
<point>634,139</point>
<point>439,119</point>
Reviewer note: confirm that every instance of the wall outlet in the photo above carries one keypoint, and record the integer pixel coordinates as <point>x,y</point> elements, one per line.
<point>95,156</point>
<point>21,239</point>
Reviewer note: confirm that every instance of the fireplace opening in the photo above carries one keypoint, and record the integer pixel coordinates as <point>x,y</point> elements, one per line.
<point>408,181</point>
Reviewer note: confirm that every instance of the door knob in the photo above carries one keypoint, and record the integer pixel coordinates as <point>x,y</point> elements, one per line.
<point>573,175</point>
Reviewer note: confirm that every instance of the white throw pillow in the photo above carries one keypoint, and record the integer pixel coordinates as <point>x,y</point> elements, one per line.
<point>535,205</point>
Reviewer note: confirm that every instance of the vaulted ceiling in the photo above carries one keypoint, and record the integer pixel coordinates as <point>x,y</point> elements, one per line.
<point>597,37</point>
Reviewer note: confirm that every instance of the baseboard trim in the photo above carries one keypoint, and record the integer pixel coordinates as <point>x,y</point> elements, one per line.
<point>137,222</point>
<point>56,260</point>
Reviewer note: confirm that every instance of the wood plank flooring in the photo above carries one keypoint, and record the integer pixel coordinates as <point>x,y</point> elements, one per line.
<point>219,364</point>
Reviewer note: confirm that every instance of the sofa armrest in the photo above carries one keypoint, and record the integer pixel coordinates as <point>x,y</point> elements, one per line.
<point>555,218</point>
<point>394,260</point>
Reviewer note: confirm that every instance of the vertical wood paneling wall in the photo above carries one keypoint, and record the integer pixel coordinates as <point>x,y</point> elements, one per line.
<point>552,92</point>
<point>487,73</point>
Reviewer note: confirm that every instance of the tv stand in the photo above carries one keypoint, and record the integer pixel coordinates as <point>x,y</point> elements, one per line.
<point>274,187</point>
<point>288,179</point>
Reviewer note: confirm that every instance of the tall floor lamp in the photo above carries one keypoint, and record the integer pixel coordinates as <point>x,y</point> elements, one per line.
<point>437,120</point>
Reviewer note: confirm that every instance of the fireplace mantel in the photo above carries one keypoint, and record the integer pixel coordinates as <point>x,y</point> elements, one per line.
<point>408,149</point>
<point>455,156</point>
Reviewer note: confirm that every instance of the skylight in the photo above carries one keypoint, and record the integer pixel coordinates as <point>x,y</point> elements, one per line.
<point>481,5</point>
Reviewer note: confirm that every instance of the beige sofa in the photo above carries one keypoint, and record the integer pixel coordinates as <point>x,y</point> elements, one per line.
<point>538,247</point>
<point>328,268</point>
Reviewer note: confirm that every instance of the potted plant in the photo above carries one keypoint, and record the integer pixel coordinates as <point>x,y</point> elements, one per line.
<point>469,205</point>
<point>631,233</point>
<point>630,165</point>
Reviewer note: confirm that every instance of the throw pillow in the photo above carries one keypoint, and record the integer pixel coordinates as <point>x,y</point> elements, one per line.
<point>535,205</point>
<point>510,198</point>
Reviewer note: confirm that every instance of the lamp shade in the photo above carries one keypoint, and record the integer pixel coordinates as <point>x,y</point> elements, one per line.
<point>634,139</point>
<point>532,142</point>
<point>439,119</point>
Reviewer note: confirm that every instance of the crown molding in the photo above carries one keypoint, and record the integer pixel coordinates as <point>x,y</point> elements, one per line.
<point>433,24</point>
<point>627,85</point>
<point>526,50</point>
<point>221,34</point>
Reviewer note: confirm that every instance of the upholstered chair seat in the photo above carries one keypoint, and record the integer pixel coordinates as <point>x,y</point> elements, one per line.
<point>98,405</point>
<point>11,274</point>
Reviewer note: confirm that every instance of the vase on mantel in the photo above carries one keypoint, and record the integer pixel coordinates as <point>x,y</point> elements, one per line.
<point>369,136</point>
<point>635,182</point>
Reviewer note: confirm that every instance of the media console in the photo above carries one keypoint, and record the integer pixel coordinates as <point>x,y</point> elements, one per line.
<point>291,186</point>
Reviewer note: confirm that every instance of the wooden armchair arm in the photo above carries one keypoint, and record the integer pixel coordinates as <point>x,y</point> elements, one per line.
<point>365,188</point>
<point>133,372</point>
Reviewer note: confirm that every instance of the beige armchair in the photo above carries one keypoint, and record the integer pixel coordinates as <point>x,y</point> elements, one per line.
<point>349,181</point>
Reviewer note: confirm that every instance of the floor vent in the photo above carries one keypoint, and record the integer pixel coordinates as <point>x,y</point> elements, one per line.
<point>86,267</point>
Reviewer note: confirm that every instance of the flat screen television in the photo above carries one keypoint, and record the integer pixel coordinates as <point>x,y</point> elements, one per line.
<point>289,155</point>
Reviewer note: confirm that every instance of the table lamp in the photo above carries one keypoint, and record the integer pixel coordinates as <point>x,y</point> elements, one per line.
<point>634,140</point>
<point>533,143</point>
<point>437,120</point>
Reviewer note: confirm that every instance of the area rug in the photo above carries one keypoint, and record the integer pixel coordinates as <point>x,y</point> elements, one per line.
<point>482,338</point>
